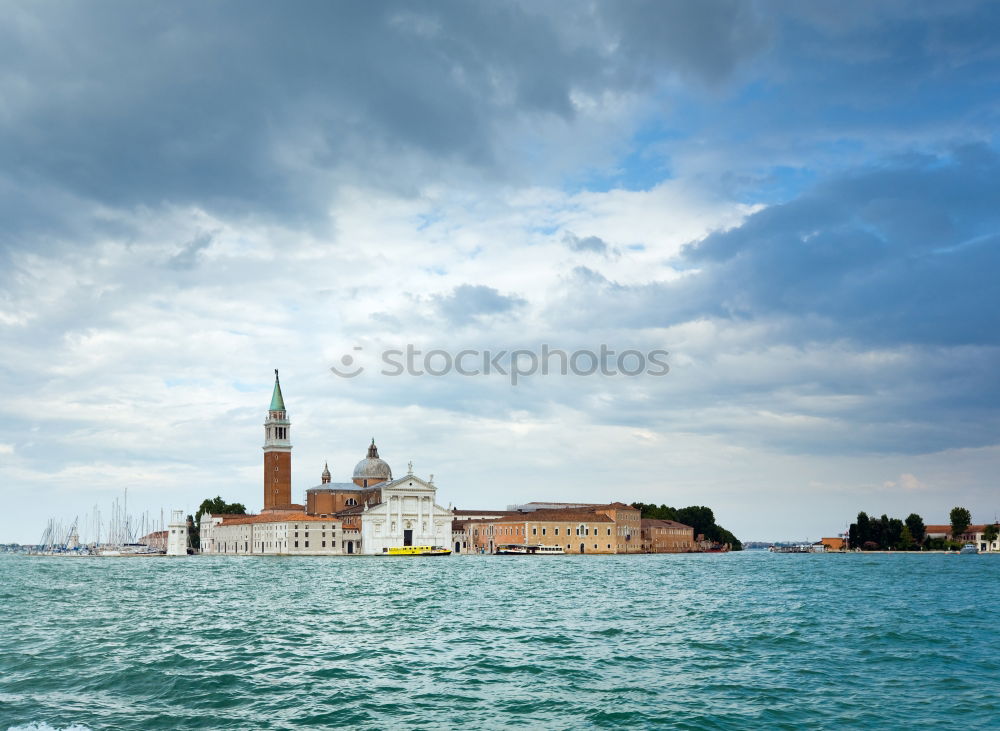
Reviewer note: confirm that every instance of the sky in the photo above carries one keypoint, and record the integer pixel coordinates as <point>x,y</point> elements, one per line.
<point>798,202</point>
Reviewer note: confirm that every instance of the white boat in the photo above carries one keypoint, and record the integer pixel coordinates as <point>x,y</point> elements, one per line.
<point>519,549</point>
<point>803,548</point>
<point>969,548</point>
<point>511,549</point>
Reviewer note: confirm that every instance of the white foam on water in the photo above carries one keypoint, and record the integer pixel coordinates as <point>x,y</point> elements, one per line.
<point>45,727</point>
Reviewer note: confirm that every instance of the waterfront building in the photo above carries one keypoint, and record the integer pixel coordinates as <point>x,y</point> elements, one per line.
<point>972,534</point>
<point>277,534</point>
<point>576,528</point>
<point>835,543</point>
<point>157,540</point>
<point>666,536</point>
<point>177,534</point>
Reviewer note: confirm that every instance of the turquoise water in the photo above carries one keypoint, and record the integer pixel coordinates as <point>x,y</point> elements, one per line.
<point>751,640</point>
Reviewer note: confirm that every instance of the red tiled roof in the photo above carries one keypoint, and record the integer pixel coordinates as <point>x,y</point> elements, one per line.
<point>274,518</point>
<point>947,528</point>
<point>566,515</point>
<point>657,523</point>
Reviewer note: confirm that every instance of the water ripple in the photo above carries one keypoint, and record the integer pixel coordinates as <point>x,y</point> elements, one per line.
<point>681,642</point>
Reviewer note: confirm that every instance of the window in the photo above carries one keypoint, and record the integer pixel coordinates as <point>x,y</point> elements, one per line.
<point>296,542</point>
<point>350,502</point>
<point>307,544</point>
<point>534,531</point>
<point>324,545</point>
<point>609,531</point>
<point>543,531</point>
<point>556,531</point>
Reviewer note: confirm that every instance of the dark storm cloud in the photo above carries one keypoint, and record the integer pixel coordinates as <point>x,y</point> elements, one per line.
<point>468,302</point>
<point>889,271</point>
<point>246,105</point>
<point>900,253</point>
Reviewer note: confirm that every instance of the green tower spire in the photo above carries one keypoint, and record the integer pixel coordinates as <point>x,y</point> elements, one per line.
<point>277,402</point>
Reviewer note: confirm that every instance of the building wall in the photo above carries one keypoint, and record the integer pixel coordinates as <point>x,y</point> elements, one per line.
<point>459,541</point>
<point>508,531</point>
<point>296,536</point>
<point>482,536</point>
<point>177,535</point>
<point>277,479</point>
<point>833,543</point>
<point>627,531</point>
<point>659,538</point>
<point>327,501</point>
<point>156,540</point>
<point>973,534</point>
<point>593,536</point>
<point>409,506</point>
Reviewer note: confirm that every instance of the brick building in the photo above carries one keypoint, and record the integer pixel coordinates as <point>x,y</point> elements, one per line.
<point>667,536</point>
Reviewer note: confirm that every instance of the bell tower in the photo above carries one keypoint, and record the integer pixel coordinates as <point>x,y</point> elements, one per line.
<point>277,452</point>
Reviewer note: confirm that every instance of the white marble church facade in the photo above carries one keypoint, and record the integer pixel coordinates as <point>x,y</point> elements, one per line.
<point>406,516</point>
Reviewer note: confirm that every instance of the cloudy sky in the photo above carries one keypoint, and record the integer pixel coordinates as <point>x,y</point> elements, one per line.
<point>799,201</point>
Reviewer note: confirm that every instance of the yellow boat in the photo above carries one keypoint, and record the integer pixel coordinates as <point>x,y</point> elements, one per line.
<point>416,551</point>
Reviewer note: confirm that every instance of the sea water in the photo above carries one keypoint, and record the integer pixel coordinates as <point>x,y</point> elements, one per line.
<point>715,641</point>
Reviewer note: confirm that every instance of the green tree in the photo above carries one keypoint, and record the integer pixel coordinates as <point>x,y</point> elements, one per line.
<point>699,517</point>
<point>894,532</point>
<point>917,528</point>
<point>960,520</point>
<point>880,530</point>
<point>991,532</point>
<point>657,512</point>
<point>861,531</point>
<point>218,506</point>
<point>906,541</point>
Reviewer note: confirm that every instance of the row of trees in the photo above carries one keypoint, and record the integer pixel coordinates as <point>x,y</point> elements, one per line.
<point>874,534</point>
<point>699,517</point>
<point>885,533</point>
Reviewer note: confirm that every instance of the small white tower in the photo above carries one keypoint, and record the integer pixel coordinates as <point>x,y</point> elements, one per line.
<point>177,534</point>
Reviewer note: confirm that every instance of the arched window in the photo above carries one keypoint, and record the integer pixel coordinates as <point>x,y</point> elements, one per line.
<point>351,502</point>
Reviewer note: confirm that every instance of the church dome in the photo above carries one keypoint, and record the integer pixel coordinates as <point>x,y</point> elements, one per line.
<point>371,467</point>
